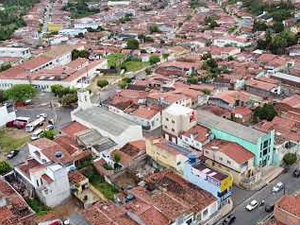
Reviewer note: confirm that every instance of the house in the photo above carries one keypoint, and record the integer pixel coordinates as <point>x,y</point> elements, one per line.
<point>108,124</point>
<point>49,181</point>
<point>46,151</point>
<point>13,52</point>
<point>230,99</point>
<point>231,40</point>
<point>291,104</point>
<point>195,138</point>
<point>259,143</point>
<point>79,185</point>
<point>159,205</point>
<point>287,136</point>
<point>177,119</point>
<point>166,154</point>
<point>286,210</point>
<point>262,89</point>
<point>229,157</point>
<point>6,115</point>
<point>217,183</point>
<point>14,210</point>
<point>132,153</point>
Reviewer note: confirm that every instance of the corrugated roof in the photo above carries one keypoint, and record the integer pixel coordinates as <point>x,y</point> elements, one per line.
<point>105,120</point>
<point>210,121</point>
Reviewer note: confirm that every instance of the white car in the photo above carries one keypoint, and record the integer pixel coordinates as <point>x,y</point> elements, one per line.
<point>278,187</point>
<point>45,115</point>
<point>252,205</point>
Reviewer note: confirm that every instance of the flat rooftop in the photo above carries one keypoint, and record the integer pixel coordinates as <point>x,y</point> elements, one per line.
<point>105,120</point>
<point>210,121</point>
<point>210,172</point>
<point>176,109</point>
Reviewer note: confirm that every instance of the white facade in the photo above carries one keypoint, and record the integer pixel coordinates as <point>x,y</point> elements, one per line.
<point>15,52</point>
<point>177,119</point>
<point>190,141</point>
<point>6,116</point>
<point>227,41</point>
<point>51,184</point>
<point>72,32</point>
<point>45,85</point>
<point>120,135</point>
<point>86,23</point>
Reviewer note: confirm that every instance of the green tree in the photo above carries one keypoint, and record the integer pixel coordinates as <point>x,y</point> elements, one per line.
<point>117,157</point>
<point>165,56</point>
<point>4,67</point>
<point>278,45</point>
<point>122,84</point>
<point>148,71</point>
<point>102,83</point>
<point>49,134</point>
<point>289,158</point>
<point>259,26</point>
<point>132,44</point>
<point>69,99</point>
<point>267,112</point>
<point>80,54</point>
<point>154,29</point>
<point>278,27</point>
<point>58,90</point>
<point>2,97</point>
<point>4,167</point>
<point>192,80</point>
<point>154,59</point>
<point>20,92</point>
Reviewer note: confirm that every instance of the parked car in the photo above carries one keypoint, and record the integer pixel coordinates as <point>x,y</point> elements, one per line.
<point>269,208</point>
<point>229,220</point>
<point>12,154</point>
<point>296,172</point>
<point>278,187</point>
<point>50,127</point>
<point>45,115</point>
<point>252,205</point>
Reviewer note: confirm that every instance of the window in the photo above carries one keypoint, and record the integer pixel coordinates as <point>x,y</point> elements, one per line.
<point>173,121</point>
<point>189,221</point>
<point>178,163</point>
<point>266,143</point>
<point>167,119</point>
<point>205,212</point>
<point>166,127</point>
<point>173,130</point>
<point>220,158</point>
<point>228,162</point>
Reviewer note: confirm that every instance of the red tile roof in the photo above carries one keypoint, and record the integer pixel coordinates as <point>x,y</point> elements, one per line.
<point>290,204</point>
<point>230,149</point>
<point>74,129</point>
<point>198,132</point>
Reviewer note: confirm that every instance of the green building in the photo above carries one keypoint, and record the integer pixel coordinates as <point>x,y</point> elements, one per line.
<point>259,143</point>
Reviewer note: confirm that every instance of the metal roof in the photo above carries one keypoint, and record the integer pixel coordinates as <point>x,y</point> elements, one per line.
<point>107,121</point>
<point>211,121</point>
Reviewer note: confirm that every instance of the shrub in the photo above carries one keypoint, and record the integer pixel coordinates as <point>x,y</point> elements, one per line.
<point>102,83</point>
<point>290,158</point>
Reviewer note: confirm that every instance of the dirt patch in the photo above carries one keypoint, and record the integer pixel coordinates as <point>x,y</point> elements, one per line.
<point>13,139</point>
<point>65,210</point>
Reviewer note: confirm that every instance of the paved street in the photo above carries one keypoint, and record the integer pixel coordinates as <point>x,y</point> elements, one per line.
<point>242,198</point>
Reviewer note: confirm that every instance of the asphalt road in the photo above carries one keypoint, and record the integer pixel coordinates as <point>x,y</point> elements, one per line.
<point>244,217</point>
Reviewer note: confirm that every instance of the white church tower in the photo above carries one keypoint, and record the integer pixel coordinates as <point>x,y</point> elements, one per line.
<point>84,99</point>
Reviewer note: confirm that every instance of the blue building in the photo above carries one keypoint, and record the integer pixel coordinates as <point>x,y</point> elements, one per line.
<point>212,181</point>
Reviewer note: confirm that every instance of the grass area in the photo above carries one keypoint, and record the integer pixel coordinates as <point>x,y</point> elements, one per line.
<point>115,60</point>
<point>12,139</point>
<point>132,66</point>
<point>79,9</point>
<point>98,182</point>
<point>37,206</point>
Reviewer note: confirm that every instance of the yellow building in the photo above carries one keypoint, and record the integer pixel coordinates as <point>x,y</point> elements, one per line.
<point>52,27</point>
<point>167,154</point>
